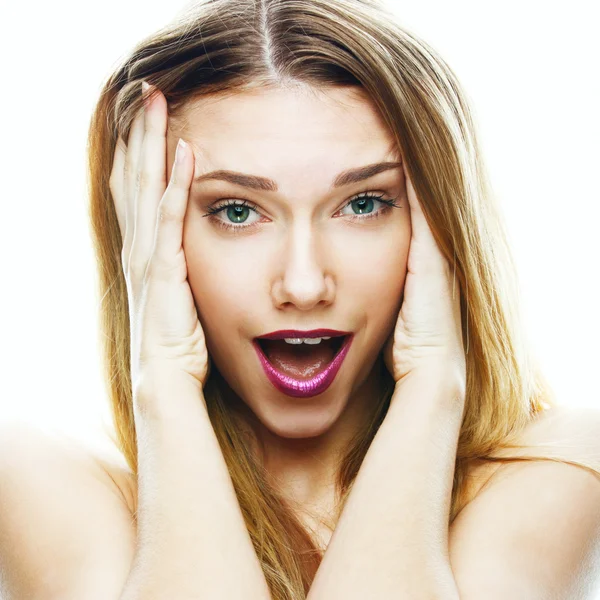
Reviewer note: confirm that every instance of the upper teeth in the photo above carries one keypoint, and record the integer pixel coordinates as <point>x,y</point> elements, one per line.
<point>305,340</point>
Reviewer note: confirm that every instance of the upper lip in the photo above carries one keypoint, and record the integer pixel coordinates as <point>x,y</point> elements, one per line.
<point>296,333</point>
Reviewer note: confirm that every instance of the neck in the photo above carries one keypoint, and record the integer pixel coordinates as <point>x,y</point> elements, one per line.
<point>306,469</point>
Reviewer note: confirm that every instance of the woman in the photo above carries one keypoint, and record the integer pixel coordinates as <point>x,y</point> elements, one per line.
<point>330,179</point>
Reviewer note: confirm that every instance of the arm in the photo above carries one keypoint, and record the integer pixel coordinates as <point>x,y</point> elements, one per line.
<point>192,539</point>
<point>392,538</point>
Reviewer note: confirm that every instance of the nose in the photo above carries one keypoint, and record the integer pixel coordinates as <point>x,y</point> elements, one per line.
<point>305,279</point>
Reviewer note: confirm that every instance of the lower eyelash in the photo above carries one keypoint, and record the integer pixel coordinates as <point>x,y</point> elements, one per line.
<point>212,211</point>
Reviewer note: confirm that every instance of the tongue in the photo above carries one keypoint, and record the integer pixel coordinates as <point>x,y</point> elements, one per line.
<point>301,361</point>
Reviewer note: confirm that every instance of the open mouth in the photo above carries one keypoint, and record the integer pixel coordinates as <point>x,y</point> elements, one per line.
<point>271,346</point>
<point>301,361</point>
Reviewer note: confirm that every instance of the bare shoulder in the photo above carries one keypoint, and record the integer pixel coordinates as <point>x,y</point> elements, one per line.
<point>25,441</point>
<point>533,530</point>
<point>66,526</point>
<point>570,433</point>
<point>565,432</point>
<point>579,423</point>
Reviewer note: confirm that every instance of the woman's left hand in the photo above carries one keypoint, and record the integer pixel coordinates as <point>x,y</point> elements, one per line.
<point>427,338</point>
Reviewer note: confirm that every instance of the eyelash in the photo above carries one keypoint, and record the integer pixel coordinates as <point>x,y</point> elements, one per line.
<point>214,210</point>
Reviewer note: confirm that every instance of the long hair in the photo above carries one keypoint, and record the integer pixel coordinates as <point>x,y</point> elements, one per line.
<point>230,46</point>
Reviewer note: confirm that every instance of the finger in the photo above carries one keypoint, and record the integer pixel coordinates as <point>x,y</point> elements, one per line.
<point>116,183</point>
<point>134,145</point>
<point>152,180</point>
<point>425,254</point>
<point>418,222</point>
<point>171,211</point>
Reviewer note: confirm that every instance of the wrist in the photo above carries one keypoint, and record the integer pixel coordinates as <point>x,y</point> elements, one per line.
<point>163,393</point>
<point>433,383</point>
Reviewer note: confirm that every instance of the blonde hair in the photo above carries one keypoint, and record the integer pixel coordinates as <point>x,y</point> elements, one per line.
<point>230,46</point>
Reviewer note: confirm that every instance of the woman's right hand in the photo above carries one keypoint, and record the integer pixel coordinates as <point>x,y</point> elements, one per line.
<point>167,339</point>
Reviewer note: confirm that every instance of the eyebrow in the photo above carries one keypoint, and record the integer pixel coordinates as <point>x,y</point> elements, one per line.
<point>265,184</point>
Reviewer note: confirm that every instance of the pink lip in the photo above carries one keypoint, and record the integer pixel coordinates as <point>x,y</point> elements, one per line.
<point>311,387</point>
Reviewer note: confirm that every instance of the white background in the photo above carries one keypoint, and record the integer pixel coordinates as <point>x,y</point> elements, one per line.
<point>529,68</point>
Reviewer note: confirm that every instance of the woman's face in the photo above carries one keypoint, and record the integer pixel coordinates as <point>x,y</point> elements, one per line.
<point>305,258</point>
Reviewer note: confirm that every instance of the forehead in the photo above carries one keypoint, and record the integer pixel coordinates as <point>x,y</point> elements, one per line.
<point>297,122</point>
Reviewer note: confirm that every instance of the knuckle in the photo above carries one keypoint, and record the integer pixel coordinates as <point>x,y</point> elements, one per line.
<point>146,179</point>
<point>128,169</point>
<point>141,180</point>
<point>166,214</point>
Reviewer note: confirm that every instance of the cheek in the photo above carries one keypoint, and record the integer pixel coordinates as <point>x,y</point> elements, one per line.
<point>377,277</point>
<point>376,264</point>
<point>217,281</point>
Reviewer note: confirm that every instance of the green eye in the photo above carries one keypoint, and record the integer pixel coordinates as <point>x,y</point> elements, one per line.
<point>238,211</point>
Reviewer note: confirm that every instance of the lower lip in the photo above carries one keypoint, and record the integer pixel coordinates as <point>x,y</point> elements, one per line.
<point>311,387</point>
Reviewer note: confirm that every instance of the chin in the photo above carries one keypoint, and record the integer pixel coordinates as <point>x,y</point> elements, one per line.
<point>301,423</point>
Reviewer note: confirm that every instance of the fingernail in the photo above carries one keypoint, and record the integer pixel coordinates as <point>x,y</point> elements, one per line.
<point>180,151</point>
<point>145,88</point>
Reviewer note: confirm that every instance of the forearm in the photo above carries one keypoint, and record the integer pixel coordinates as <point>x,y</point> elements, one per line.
<point>192,539</point>
<point>391,540</point>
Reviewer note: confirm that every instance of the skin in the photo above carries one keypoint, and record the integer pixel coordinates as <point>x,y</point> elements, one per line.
<point>312,261</point>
